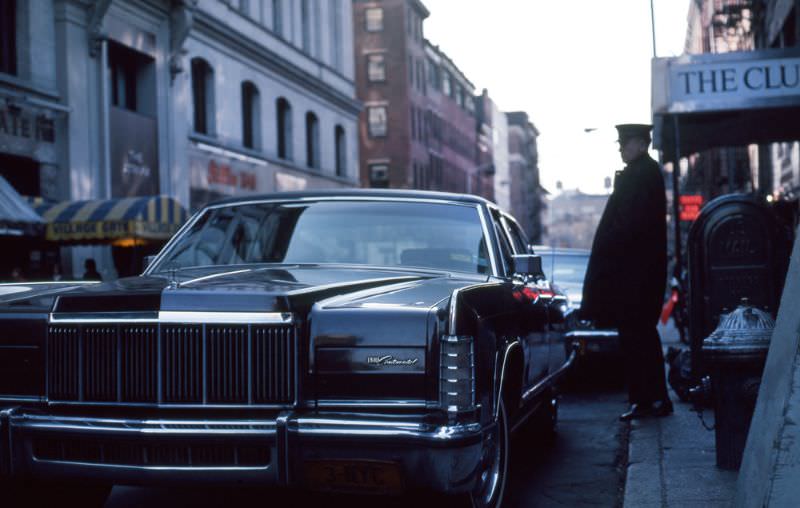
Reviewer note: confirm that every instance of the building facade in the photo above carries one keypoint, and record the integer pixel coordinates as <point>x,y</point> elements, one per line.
<point>194,99</point>
<point>527,197</point>
<point>502,174</point>
<point>720,26</point>
<point>572,218</point>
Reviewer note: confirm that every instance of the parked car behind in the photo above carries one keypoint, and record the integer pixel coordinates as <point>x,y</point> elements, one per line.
<point>566,269</point>
<point>368,341</point>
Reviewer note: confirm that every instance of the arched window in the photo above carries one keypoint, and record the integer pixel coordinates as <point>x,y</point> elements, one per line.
<point>8,37</point>
<point>251,116</point>
<point>341,151</point>
<point>312,140</point>
<point>203,96</point>
<point>284,113</point>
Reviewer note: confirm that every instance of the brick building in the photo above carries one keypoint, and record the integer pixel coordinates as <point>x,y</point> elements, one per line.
<point>390,81</point>
<point>452,124</point>
<point>418,126</point>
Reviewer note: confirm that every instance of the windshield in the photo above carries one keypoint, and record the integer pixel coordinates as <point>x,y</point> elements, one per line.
<point>440,236</point>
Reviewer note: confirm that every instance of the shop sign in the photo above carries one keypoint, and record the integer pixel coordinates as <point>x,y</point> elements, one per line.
<point>220,174</point>
<point>723,82</point>
<point>134,154</point>
<point>287,182</point>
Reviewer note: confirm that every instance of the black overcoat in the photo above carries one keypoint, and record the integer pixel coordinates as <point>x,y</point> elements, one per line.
<point>626,276</point>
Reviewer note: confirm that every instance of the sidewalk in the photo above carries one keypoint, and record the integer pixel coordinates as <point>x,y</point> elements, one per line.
<point>672,461</point>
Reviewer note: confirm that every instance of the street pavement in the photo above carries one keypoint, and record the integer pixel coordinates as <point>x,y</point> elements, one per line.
<point>672,460</point>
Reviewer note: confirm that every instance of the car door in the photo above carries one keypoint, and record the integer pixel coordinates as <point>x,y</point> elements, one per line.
<point>534,328</point>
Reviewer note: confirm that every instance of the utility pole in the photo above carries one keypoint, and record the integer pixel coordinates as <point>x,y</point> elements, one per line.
<point>653,27</point>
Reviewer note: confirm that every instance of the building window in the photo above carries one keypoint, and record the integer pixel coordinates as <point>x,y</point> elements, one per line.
<point>411,70</point>
<point>251,116</point>
<point>244,7</point>
<point>8,36</point>
<point>336,34</point>
<point>284,122</point>
<point>341,151</point>
<point>446,83</point>
<point>312,140</point>
<point>413,114</point>
<point>376,67</point>
<point>379,176</point>
<point>433,75</point>
<point>203,96</point>
<point>305,25</point>
<point>459,95</point>
<point>122,64</point>
<point>277,17</point>
<point>374,19</point>
<point>377,120</point>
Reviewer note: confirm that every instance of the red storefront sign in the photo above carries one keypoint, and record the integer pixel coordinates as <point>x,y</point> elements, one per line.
<point>690,206</point>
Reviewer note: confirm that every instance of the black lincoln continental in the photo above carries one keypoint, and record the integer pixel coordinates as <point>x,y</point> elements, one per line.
<point>369,341</point>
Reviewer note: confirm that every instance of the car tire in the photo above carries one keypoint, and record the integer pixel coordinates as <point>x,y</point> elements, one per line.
<point>48,494</point>
<point>491,483</point>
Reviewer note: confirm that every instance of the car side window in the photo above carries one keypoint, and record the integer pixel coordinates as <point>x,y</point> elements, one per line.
<point>505,245</point>
<point>518,239</point>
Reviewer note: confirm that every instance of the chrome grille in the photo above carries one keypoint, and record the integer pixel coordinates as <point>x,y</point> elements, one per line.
<point>189,364</point>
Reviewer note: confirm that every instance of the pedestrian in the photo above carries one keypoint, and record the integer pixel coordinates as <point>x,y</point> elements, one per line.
<point>17,275</point>
<point>626,277</point>
<point>57,276</point>
<point>91,272</point>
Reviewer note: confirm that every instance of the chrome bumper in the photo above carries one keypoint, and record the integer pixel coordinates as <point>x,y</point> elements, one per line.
<point>441,458</point>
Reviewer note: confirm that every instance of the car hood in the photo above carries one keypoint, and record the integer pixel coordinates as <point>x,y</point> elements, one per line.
<point>265,289</point>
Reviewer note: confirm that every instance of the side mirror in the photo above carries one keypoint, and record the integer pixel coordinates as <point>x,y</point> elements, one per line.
<point>148,260</point>
<point>527,265</point>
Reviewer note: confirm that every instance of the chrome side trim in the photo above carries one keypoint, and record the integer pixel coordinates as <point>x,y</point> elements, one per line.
<point>177,317</point>
<point>541,385</point>
<point>499,389</point>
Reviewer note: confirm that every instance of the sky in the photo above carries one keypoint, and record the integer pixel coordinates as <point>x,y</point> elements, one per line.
<point>571,65</point>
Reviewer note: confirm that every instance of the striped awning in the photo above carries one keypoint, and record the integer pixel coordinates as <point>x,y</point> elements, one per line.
<point>123,221</point>
<point>17,218</point>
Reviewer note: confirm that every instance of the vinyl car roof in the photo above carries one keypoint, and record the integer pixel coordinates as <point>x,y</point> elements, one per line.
<point>359,193</point>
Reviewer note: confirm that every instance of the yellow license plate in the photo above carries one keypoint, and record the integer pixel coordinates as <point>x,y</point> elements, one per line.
<point>354,476</point>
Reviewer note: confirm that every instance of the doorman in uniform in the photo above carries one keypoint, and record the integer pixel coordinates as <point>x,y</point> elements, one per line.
<point>626,277</point>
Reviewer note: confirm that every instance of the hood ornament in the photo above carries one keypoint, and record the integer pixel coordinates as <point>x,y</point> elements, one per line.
<point>173,279</point>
